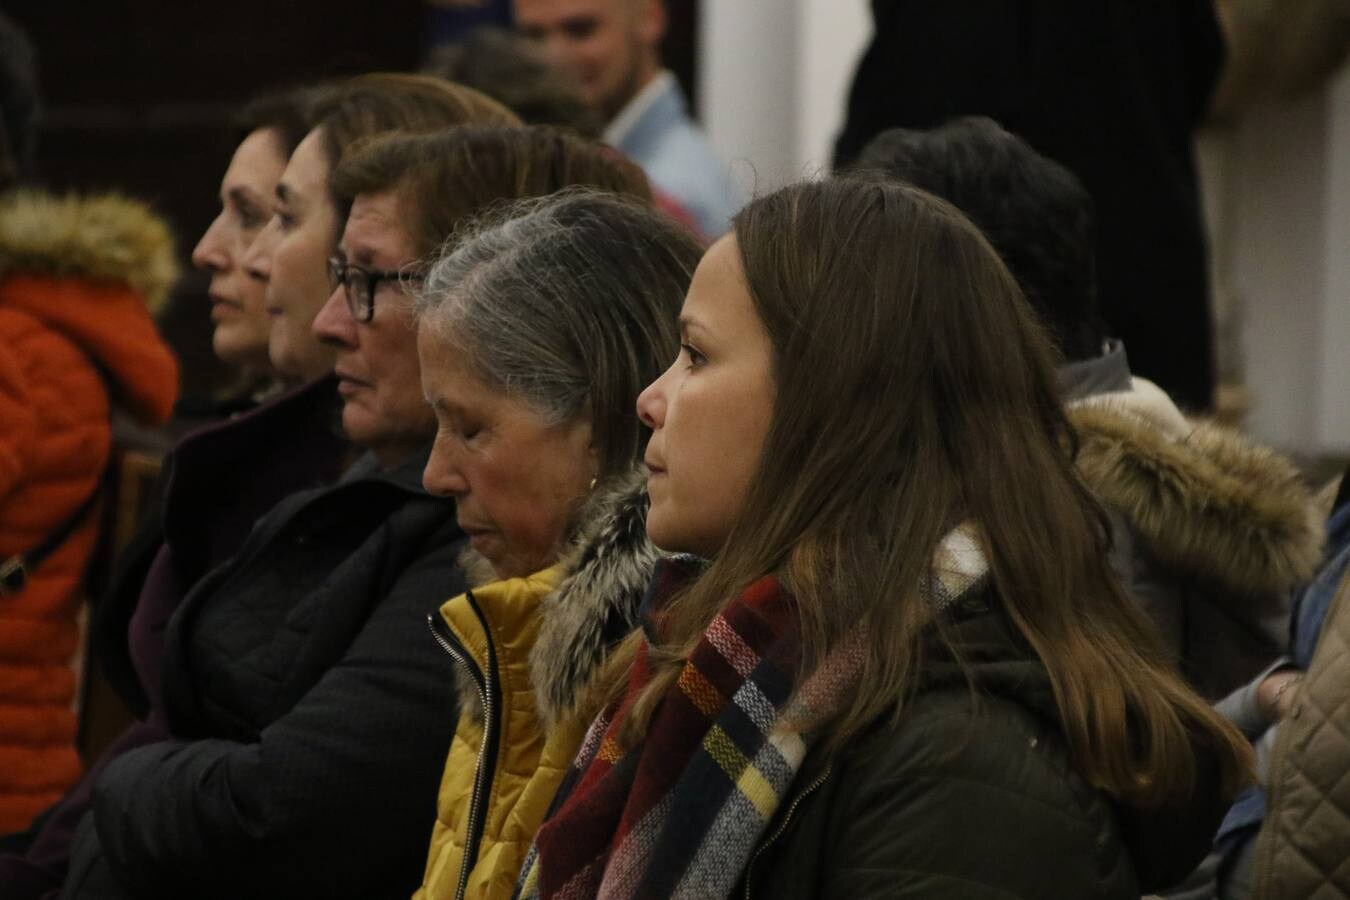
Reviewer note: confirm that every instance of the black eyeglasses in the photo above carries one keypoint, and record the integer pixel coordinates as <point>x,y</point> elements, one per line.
<point>360,284</point>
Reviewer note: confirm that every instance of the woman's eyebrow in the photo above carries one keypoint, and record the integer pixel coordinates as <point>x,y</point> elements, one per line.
<point>243,196</point>
<point>689,323</point>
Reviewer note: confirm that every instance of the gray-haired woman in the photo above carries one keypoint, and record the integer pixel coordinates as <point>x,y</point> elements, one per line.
<point>536,335</point>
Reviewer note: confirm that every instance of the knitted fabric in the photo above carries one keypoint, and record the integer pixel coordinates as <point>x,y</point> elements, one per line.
<point>680,814</point>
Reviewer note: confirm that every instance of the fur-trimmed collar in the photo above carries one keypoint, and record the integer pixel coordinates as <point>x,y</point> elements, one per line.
<point>104,238</point>
<point>605,572</point>
<point>1204,500</point>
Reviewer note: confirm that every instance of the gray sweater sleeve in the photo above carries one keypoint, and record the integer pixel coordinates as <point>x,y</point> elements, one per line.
<point>1241,707</point>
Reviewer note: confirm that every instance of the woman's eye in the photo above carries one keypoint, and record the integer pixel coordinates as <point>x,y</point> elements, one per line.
<point>251,219</point>
<point>285,219</point>
<point>695,358</point>
<point>468,434</point>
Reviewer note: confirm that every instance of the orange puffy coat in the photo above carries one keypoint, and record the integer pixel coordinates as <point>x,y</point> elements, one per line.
<point>76,337</point>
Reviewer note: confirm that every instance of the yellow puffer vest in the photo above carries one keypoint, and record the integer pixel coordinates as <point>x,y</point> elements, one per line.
<point>526,649</point>
<point>495,626</point>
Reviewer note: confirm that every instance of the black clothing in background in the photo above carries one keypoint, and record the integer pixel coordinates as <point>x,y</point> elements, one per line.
<point>1111,89</point>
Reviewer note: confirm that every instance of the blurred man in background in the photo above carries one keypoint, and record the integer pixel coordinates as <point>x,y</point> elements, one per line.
<point>612,48</point>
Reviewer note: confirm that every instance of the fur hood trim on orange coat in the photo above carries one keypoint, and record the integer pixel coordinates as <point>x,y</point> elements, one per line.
<point>101,238</point>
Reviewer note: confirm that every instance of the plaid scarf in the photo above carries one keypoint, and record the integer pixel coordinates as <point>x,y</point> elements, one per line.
<point>680,814</point>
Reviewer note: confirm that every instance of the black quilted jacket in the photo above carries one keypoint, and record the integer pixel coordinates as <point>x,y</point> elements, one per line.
<point>311,713</point>
<point>977,803</point>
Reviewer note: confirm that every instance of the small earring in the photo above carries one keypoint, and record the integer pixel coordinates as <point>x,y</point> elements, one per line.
<point>592,484</point>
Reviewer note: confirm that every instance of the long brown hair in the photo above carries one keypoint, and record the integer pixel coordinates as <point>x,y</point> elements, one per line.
<point>915,390</point>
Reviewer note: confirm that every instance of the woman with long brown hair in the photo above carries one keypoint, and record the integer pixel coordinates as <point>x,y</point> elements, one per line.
<point>897,662</point>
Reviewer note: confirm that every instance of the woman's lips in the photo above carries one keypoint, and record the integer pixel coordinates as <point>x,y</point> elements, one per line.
<point>348,384</point>
<point>223,306</point>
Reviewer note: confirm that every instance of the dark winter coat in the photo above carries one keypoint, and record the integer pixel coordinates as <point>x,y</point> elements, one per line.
<point>311,714</point>
<point>1110,90</point>
<point>971,802</point>
<point>219,481</point>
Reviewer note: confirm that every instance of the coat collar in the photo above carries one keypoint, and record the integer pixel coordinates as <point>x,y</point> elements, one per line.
<point>1086,377</point>
<point>648,116</point>
<point>581,606</point>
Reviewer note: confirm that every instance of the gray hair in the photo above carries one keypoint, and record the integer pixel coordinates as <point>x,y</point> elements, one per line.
<point>569,303</point>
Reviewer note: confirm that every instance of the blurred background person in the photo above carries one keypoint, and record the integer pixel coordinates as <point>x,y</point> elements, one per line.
<point>1211,532</point>
<point>1114,92</point>
<point>79,277</point>
<point>1298,715</point>
<point>513,71</point>
<point>610,46</point>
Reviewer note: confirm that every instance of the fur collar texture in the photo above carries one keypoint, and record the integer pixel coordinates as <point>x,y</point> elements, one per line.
<point>103,238</point>
<point>606,570</point>
<point>1204,500</point>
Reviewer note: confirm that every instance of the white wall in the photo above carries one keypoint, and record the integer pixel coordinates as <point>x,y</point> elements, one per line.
<point>774,77</point>
<point>1284,255</point>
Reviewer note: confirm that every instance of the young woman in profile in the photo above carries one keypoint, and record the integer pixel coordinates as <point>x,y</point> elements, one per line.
<point>892,659</point>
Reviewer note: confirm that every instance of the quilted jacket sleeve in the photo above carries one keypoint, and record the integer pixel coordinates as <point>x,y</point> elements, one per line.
<point>971,806</point>
<point>18,424</point>
<point>335,799</point>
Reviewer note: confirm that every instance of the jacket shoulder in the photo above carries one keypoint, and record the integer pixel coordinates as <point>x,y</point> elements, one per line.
<point>104,238</point>
<point>966,796</point>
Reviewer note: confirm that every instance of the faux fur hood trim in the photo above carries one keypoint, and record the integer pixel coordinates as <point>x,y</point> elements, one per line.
<point>1207,502</point>
<point>103,238</point>
<point>605,573</point>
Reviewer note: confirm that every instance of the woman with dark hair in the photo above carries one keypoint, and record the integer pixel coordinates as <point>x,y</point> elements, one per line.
<point>270,129</point>
<point>895,661</point>
<point>292,251</point>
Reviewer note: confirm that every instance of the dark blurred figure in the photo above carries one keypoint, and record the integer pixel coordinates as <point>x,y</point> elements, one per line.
<point>453,20</point>
<point>18,103</point>
<point>510,70</point>
<point>1211,532</point>
<point>1111,90</point>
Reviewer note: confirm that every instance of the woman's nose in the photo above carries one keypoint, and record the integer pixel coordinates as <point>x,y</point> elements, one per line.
<point>441,477</point>
<point>209,254</point>
<point>334,324</point>
<point>651,403</point>
<point>258,257</point>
